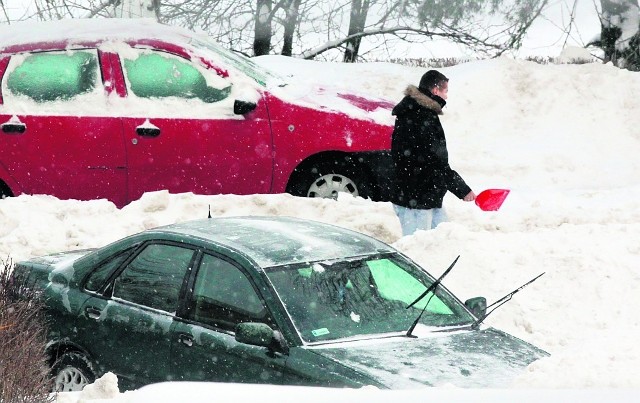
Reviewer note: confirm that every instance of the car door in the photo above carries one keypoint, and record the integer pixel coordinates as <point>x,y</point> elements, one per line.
<point>182,134</point>
<point>203,346</point>
<point>56,133</point>
<point>126,328</point>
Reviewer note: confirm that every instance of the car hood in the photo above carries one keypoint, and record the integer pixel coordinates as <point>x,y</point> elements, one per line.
<point>354,104</point>
<point>469,359</point>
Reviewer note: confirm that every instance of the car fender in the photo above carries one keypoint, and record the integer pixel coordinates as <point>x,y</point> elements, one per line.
<point>315,369</point>
<point>57,347</point>
<point>5,178</point>
<point>301,133</point>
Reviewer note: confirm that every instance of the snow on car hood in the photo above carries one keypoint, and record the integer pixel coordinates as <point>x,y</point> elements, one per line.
<point>469,359</point>
<point>353,104</point>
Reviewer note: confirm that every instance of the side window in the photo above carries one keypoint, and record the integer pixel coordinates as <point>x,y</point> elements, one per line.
<point>51,76</point>
<point>154,277</point>
<point>223,296</point>
<point>159,75</point>
<point>102,272</point>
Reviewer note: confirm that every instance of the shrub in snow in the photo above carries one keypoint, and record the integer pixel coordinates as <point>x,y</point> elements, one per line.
<point>24,373</point>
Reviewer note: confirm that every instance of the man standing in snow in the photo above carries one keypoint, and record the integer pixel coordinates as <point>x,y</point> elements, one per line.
<point>421,161</point>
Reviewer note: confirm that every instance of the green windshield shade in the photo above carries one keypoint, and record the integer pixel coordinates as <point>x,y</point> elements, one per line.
<point>54,76</point>
<point>396,284</point>
<point>305,272</point>
<point>153,75</point>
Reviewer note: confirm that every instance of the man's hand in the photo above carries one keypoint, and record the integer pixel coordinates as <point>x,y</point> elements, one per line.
<point>470,197</point>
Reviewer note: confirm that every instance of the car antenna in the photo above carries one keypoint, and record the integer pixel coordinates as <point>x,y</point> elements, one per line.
<point>503,301</point>
<point>432,287</point>
<point>209,212</point>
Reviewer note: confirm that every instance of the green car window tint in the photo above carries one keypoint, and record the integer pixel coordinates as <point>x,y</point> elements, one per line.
<point>333,300</point>
<point>394,283</point>
<point>153,75</point>
<point>223,296</point>
<point>154,277</point>
<point>54,76</point>
<point>102,272</point>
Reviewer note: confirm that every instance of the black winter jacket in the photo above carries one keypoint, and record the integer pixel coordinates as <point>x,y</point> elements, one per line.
<point>419,151</point>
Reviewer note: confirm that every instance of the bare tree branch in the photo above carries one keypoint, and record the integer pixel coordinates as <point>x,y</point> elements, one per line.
<point>459,37</point>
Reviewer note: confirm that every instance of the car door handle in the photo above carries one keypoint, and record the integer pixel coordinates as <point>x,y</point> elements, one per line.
<point>92,313</point>
<point>186,339</point>
<point>14,127</point>
<point>148,131</point>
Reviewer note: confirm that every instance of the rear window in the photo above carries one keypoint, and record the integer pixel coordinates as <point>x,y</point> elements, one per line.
<point>52,76</point>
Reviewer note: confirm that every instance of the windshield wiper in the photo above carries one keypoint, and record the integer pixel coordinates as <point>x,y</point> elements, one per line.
<point>432,287</point>
<point>503,301</point>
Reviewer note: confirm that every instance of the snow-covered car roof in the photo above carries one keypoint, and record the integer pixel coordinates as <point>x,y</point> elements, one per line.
<point>274,241</point>
<point>105,33</point>
<point>91,30</point>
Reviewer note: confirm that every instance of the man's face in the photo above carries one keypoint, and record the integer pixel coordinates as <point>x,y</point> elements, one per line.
<point>442,90</point>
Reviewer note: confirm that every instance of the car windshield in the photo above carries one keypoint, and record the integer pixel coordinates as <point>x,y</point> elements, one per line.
<point>260,74</point>
<point>361,297</point>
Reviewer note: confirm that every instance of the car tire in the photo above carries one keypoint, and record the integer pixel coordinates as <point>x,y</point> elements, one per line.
<point>4,191</point>
<point>71,372</point>
<point>328,179</point>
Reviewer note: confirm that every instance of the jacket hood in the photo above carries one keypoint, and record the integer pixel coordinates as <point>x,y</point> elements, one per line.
<point>468,359</point>
<point>414,95</point>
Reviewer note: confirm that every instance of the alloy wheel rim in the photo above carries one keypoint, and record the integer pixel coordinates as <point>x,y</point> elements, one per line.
<point>328,186</point>
<point>70,380</point>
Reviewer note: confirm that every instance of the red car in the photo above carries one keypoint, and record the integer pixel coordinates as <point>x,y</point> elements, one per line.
<point>110,108</point>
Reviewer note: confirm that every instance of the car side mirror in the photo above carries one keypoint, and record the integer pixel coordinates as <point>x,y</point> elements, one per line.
<point>261,334</point>
<point>477,306</point>
<point>243,107</point>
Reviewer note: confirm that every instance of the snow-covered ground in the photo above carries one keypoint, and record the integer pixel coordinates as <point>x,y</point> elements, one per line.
<point>564,138</point>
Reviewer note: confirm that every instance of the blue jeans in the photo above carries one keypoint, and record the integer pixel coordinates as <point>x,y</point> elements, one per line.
<point>412,220</point>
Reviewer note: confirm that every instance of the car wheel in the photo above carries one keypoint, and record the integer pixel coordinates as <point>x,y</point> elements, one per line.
<point>4,191</point>
<point>327,180</point>
<point>72,372</point>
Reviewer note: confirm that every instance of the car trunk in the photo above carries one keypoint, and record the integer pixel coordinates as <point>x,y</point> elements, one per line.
<point>36,273</point>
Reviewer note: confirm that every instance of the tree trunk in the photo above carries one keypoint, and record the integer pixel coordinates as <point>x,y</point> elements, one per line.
<point>319,27</point>
<point>137,8</point>
<point>619,35</point>
<point>262,38</point>
<point>290,25</point>
<point>359,11</point>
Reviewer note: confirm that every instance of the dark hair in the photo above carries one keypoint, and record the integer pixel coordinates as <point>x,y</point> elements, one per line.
<point>431,79</point>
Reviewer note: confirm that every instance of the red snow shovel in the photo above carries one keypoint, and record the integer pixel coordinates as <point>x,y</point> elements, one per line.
<point>491,199</point>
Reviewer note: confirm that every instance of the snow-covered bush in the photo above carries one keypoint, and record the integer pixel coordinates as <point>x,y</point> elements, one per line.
<point>24,373</point>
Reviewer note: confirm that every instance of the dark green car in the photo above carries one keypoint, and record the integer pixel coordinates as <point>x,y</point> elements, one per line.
<point>262,300</point>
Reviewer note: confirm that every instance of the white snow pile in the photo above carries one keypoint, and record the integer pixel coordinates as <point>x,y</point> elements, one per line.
<point>564,138</point>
